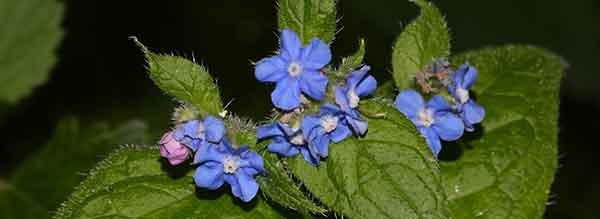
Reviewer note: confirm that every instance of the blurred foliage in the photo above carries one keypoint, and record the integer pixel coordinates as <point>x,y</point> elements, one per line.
<point>46,178</point>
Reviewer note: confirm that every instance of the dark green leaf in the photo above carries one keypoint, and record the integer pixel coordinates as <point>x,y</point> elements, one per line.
<point>279,187</point>
<point>507,172</point>
<point>309,18</point>
<point>46,178</point>
<point>184,80</point>
<point>422,41</point>
<point>30,34</point>
<point>353,61</point>
<point>391,173</point>
<point>134,183</point>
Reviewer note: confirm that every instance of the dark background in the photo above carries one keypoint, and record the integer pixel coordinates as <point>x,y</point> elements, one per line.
<point>101,74</point>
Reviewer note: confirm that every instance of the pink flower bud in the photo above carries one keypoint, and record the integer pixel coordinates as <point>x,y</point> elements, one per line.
<point>174,151</point>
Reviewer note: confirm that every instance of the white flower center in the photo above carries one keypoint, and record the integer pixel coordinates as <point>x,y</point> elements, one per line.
<point>230,164</point>
<point>329,123</point>
<point>462,95</point>
<point>297,139</point>
<point>353,99</point>
<point>294,69</point>
<point>425,116</point>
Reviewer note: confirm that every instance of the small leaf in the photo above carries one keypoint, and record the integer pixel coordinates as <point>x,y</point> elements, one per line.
<point>353,61</point>
<point>184,80</point>
<point>507,172</point>
<point>390,173</point>
<point>309,18</point>
<point>30,34</point>
<point>279,187</point>
<point>132,183</point>
<point>72,150</point>
<point>422,41</point>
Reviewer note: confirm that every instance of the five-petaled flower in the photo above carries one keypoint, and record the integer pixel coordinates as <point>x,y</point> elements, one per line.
<point>171,149</point>
<point>462,80</point>
<point>287,141</point>
<point>222,163</point>
<point>196,133</point>
<point>434,120</point>
<point>295,70</point>
<point>329,125</point>
<point>358,84</point>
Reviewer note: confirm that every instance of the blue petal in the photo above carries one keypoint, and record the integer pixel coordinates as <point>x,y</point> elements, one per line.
<point>315,55</point>
<point>309,125</point>
<point>233,183</point>
<point>340,133</point>
<point>329,109</point>
<point>366,87</point>
<point>355,77</point>
<point>359,126</point>
<point>271,69</point>
<point>208,153</point>
<point>291,45</point>
<point>313,83</point>
<point>286,95</point>
<point>247,186</point>
<point>252,160</point>
<point>321,144</point>
<point>432,140</point>
<point>341,99</point>
<point>215,129</point>
<point>472,112</point>
<point>409,102</point>
<point>310,156</point>
<point>282,147</point>
<point>209,175</point>
<point>269,130</point>
<point>438,103</point>
<point>449,127</point>
<point>469,78</point>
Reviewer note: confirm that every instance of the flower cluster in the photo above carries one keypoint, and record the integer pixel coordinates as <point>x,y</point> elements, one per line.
<point>216,159</point>
<point>297,71</point>
<point>437,119</point>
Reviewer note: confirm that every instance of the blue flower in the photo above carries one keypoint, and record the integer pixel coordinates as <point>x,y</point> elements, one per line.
<point>287,141</point>
<point>358,84</point>
<point>222,163</point>
<point>434,120</point>
<point>195,133</point>
<point>462,80</point>
<point>321,129</point>
<point>295,69</point>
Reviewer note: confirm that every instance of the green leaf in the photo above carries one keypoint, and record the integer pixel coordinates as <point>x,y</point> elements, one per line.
<point>184,80</point>
<point>47,177</point>
<point>279,187</point>
<point>508,170</point>
<point>353,61</point>
<point>309,18</point>
<point>30,34</point>
<point>422,41</point>
<point>390,173</point>
<point>134,183</point>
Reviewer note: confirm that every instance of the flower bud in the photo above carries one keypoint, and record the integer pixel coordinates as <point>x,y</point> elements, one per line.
<point>174,151</point>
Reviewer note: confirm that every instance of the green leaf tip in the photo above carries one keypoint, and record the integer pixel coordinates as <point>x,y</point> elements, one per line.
<point>183,79</point>
<point>423,40</point>
<point>508,170</point>
<point>309,18</point>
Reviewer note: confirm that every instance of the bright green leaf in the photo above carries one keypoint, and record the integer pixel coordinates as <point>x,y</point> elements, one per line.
<point>507,172</point>
<point>184,80</point>
<point>30,34</point>
<point>351,62</point>
<point>309,18</point>
<point>391,173</point>
<point>422,41</point>
<point>46,178</point>
<point>134,183</point>
<point>279,187</point>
